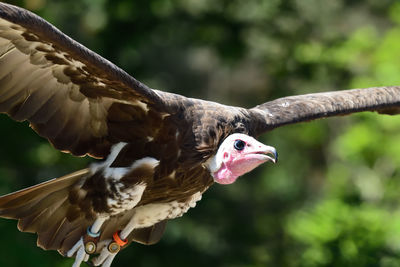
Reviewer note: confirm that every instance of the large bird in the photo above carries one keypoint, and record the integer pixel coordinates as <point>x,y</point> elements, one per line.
<point>160,150</point>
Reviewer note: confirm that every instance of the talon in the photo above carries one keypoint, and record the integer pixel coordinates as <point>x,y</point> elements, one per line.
<point>79,253</point>
<point>87,244</point>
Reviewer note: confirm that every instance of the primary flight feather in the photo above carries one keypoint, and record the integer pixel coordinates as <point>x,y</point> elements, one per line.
<point>161,151</point>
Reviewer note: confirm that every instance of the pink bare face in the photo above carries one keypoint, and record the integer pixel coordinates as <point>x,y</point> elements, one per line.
<point>237,155</point>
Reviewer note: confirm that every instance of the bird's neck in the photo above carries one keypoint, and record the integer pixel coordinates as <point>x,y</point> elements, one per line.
<point>224,175</point>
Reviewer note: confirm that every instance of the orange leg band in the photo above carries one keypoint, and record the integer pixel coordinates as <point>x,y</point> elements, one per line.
<point>118,240</point>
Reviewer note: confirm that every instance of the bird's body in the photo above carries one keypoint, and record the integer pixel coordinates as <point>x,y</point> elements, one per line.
<point>160,151</point>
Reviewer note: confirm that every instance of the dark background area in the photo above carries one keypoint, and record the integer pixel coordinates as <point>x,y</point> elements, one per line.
<point>332,200</point>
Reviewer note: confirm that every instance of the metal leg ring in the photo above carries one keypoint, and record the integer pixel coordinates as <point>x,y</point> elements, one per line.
<point>114,247</point>
<point>90,247</point>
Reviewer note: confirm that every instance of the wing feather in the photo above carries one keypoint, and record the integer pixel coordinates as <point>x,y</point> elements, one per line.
<point>294,109</point>
<point>50,80</point>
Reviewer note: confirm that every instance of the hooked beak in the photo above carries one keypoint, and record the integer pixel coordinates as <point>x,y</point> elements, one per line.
<point>263,153</point>
<point>269,152</point>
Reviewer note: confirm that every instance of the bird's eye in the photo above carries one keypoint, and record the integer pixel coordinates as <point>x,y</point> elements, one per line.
<point>239,145</point>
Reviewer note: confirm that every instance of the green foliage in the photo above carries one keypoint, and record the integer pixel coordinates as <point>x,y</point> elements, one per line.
<point>334,233</point>
<point>333,198</point>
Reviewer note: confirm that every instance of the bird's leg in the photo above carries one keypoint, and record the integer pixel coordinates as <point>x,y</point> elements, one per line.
<point>87,244</point>
<point>119,240</point>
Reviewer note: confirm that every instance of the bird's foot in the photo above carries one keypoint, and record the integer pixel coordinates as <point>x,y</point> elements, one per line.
<point>79,251</point>
<point>84,248</point>
<point>109,251</point>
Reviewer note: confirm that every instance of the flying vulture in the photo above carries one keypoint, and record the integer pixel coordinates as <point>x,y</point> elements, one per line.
<point>160,150</point>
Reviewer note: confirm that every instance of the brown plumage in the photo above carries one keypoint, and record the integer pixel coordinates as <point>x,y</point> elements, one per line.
<point>156,145</point>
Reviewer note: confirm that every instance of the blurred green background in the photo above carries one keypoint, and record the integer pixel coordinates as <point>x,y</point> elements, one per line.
<point>332,200</point>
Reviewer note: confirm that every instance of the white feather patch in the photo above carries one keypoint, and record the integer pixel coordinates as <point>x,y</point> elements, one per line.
<point>115,149</point>
<point>213,164</point>
<point>147,161</point>
<point>118,172</point>
<point>129,197</point>
<point>151,214</point>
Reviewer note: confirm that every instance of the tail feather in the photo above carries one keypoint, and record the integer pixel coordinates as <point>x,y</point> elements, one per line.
<point>51,237</point>
<point>46,209</point>
<point>34,193</point>
<point>38,214</point>
<point>150,235</point>
<point>44,220</point>
<point>71,238</point>
<point>17,212</point>
<point>65,227</point>
<point>26,223</point>
<point>43,209</point>
<point>45,238</point>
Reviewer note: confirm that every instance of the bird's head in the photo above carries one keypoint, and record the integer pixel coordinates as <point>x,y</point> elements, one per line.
<point>237,155</point>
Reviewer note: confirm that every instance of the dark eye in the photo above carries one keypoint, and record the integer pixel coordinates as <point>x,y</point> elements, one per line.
<point>239,145</point>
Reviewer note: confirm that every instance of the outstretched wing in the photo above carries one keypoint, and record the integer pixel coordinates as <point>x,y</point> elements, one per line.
<point>294,109</point>
<point>75,98</point>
